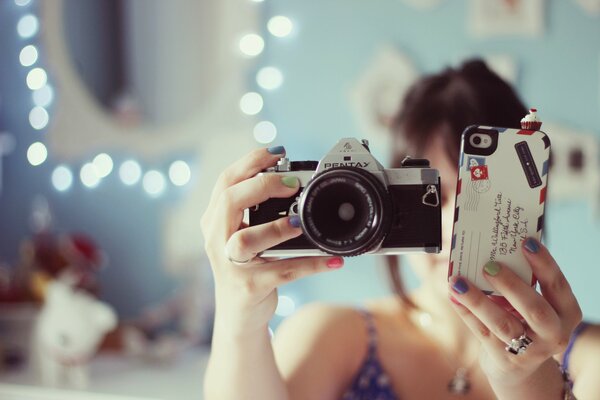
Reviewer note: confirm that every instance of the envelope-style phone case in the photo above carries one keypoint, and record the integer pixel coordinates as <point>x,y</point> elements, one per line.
<point>500,198</point>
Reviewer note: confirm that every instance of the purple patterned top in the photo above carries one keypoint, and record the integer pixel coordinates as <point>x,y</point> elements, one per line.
<point>371,381</point>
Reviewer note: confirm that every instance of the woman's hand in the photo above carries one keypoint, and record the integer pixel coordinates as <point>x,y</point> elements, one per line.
<point>548,318</point>
<point>246,295</point>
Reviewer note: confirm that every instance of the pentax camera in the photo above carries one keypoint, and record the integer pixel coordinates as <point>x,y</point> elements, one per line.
<point>349,204</point>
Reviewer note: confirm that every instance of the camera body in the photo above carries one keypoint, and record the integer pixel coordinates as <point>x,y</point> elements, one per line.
<point>349,204</point>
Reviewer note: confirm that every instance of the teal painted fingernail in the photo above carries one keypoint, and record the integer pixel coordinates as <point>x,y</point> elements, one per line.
<point>491,268</point>
<point>290,181</point>
<point>276,150</point>
<point>531,245</point>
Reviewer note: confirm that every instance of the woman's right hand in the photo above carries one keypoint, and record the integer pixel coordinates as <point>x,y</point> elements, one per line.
<point>246,295</point>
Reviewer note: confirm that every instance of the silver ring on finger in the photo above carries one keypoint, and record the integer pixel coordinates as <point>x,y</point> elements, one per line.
<point>519,345</point>
<point>238,262</point>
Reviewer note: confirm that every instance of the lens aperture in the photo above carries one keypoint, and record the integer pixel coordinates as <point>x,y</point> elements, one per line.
<point>342,211</point>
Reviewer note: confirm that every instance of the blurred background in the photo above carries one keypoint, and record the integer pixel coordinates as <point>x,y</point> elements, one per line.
<point>116,116</point>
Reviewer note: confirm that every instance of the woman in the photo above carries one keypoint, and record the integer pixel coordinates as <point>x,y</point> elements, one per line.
<point>444,339</point>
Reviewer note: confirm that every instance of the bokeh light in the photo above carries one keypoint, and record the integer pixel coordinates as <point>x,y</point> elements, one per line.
<point>88,175</point>
<point>36,78</point>
<point>43,97</point>
<point>269,78</point>
<point>62,178</point>
<point>265,132</point>
<point>285,306</point>
<point>130,172</point>
<point>28,55</point>
<point>280,26</point>
<point>154,183</point>
<point>179,173</point>
<point>38,117</point>
<point>103,164</point>
<point>251,44</point>
<point>37,153</point>
<point>251,103</point>
<point>28,26</point>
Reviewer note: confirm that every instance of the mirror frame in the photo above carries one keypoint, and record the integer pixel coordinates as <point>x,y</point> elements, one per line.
<point>80,125</point>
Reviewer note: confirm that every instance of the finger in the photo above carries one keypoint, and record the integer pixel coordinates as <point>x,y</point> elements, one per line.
<point>534,309</point>
<point>246,243</point>
<point>490,341</point>
<point>555,287</point>
<point>500,322</point>
<point>274,274</point>
<point>250,192</point>
<point>244,168</point>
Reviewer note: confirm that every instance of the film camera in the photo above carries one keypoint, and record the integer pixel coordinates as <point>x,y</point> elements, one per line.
<point>349,204</point>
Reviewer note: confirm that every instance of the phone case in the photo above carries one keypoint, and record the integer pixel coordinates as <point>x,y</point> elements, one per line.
<point>500,199</point>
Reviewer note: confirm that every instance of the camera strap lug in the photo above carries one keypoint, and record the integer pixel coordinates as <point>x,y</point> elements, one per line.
<point>431,191</point>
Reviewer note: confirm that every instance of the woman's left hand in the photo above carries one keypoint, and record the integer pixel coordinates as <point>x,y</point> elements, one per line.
<point>548,319</point>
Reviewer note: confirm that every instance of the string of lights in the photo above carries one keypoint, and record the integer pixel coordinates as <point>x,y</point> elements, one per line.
<point>91,173</point>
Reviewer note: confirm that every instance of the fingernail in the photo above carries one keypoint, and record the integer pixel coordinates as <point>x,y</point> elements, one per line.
<point>276,150</point>
<point>335,262</point>
<point>290,181</point>
<point>491,268</point>
<point>294,221</point>
<point>531,245</point>
<point>460,286</point>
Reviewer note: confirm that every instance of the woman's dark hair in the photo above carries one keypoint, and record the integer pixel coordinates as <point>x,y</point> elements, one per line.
<point>445,104</point>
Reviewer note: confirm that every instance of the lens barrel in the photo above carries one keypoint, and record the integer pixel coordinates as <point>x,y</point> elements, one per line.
<point>345,211</point>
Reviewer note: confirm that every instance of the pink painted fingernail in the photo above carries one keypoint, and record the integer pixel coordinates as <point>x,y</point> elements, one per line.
<point>335,262</point>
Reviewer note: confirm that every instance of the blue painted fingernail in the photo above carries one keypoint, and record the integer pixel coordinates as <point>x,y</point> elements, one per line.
<point>460,286</point>
<point>294,221</point>
<point>276,150</point>
<point>531,245</point>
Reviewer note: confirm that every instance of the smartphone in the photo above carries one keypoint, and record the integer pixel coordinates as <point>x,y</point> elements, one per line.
<point>500,200</point>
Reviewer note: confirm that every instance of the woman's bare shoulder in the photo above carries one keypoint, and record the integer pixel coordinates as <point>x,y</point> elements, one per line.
<point>585,357</point>
<point>587,347</point>
<point>319,348</point>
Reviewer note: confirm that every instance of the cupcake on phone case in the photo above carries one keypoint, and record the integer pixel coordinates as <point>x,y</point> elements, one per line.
<point>531,121</point>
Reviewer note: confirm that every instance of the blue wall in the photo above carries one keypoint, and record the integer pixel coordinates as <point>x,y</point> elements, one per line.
<point>334,41</point>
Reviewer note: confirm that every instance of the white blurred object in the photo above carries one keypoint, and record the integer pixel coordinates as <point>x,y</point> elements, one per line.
<point>493,18</point>
<point>591,7</point>
<point>575,170</point>
<point>69,330</point>
<point>380,89</point>
<point>40,219</point>
<point>377,96</point>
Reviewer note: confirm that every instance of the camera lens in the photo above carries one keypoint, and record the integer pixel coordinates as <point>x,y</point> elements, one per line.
<point>476,140</point>
<point>343,211</point>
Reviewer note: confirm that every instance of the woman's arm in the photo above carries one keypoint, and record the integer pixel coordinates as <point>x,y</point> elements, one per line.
<point>241,363</point>
<point>243,366</point>
<point>539,327</point>
<point>313,355</point>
